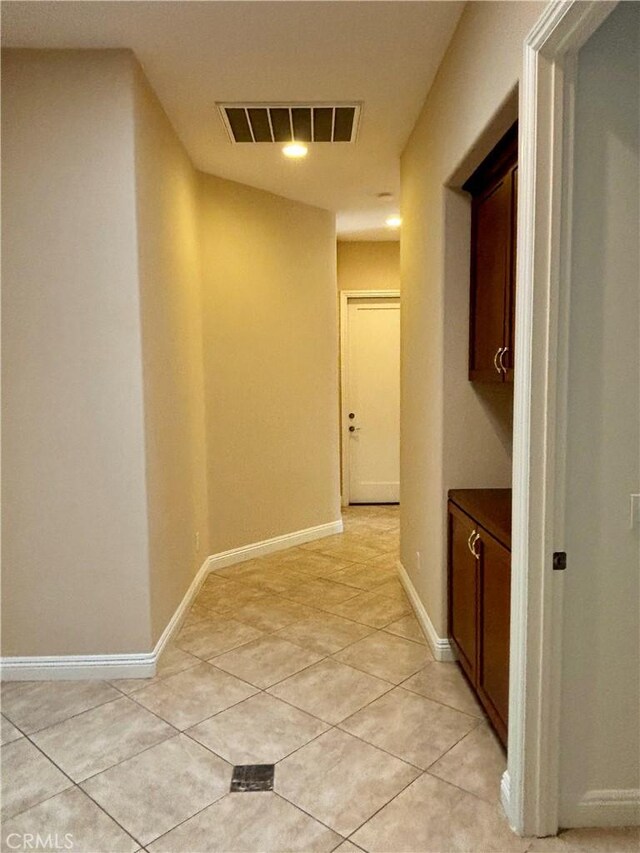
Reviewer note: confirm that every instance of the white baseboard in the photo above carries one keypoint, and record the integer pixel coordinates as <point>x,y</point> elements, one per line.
<point>277,543</point>
<point>505,796</point>
<point>103,667</point>
<point>605,808</point>
<point>174,624</point>
<point>143,665</point>
<point>441,648</point>
<point>73,667</point>
<point>596,808</point>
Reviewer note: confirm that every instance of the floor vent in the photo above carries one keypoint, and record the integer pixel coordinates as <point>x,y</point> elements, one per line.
<point>252,777</point>
<point>288,122</point>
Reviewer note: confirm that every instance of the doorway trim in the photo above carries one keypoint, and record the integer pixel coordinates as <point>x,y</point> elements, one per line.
<point>345,296</point>
<point>530,786</point>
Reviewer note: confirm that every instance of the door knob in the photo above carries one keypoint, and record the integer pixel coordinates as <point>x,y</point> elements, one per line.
<point>353,429</point>
<point>351,415</point>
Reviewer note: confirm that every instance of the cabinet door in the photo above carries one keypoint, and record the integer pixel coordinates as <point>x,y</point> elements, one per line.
<point>510,294</point>
<point>463,572</point>
<point>494,620</point>
<point>490,273</point>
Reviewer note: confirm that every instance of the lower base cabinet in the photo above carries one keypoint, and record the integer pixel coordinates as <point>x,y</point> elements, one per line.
<point>480,595</point>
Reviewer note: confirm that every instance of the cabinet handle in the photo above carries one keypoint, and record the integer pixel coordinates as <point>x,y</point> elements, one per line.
<point>475,553</point>
<point>469,545</point>
<point>495,359</point>
<point>505,350</point>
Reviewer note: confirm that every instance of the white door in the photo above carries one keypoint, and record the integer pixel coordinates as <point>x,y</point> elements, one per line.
<point>372,399</point>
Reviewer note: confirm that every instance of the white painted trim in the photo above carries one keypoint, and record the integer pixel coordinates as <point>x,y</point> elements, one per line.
<point>345,296</point>
<point>268,546</point>
<point>174,624</point>
<point>505,792</point>
<point>72,667</point>
<point>606,808</point>
<point>143,665</point>
<point>107,667</point>
<point>530,791</point>
<point>441,648</point>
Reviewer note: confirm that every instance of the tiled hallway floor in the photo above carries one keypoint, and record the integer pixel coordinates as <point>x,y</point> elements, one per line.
<point>309,659</point>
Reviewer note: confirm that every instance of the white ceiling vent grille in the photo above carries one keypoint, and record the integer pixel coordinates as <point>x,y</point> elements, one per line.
<point>289,122</point>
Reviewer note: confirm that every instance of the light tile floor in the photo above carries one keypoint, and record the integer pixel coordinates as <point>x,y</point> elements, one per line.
<point>309,659</point>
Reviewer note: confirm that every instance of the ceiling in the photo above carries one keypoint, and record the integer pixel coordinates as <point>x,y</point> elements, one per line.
<point>383,54</point>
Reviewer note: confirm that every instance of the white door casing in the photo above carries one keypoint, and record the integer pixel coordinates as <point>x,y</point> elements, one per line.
<point>530,784</point>
<point>370,346</point>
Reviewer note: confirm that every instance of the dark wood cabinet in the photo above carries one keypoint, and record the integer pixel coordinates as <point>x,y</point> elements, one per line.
<point>480,594</point>
<point>493,187</point>
<point>494,600</point>
<point>464,590</point>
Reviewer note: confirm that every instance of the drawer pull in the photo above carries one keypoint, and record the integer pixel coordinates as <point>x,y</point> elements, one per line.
<point>472,546</point>
<point>469,545</point>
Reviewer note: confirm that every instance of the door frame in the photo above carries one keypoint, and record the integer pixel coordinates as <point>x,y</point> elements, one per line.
<point>530,786</point>
<point>345,296</point>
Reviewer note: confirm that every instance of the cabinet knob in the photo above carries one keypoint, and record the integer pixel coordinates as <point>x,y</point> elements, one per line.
<point>497,363</point>
<point>505,350</point>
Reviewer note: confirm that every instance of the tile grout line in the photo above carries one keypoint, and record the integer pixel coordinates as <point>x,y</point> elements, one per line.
<point>177,733</point>
<point>74,785</point>
<point>51,796</point>
<point>71,716</point>
<point>153,840</point>
<point>395,796</point>
<point>260,690</point>
<point>323,660</point>
<point>380,748</point>
<point>313,817</point>
<point>492,803</point>
<point>482,719</point>
<point>233,704</point>
<point>272,632</point>
<point>421,771</point>
<point>217,754</point>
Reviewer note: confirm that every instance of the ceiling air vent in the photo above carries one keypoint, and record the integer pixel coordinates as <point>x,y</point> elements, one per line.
<point>288,122</point>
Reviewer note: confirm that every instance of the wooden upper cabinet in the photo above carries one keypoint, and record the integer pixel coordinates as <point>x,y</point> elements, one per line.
<point>493,187</point>
<point>510,314</point>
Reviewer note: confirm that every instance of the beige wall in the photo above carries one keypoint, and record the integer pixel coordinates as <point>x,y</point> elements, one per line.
<point>270,339</point>
<point>75,547</point>
<point>600,721</point>
<point>169,276</point>
<point>452,433</point>
<point>109,408</point>
<point>369,265</point>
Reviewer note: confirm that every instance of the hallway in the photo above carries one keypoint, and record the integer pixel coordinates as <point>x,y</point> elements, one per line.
<point>309,659</point>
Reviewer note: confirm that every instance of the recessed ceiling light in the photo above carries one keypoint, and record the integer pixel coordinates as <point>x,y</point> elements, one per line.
<point>393,221</point>
<point>295,150</point>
